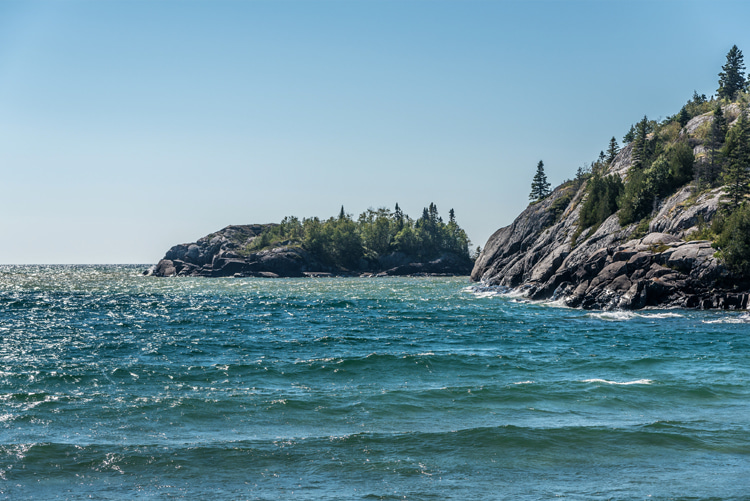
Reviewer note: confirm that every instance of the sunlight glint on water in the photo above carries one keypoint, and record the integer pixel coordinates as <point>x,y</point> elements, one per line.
<point>122,386</point>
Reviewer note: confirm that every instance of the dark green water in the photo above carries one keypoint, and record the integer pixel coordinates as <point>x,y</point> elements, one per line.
<point>118,386</point>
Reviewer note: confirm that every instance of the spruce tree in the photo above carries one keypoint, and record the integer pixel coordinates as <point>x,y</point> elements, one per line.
<point>737,175</point>
<point>715,140</point>
<point>640,144</point>
<point>540,188</point>
<point>683,117</point>
<point>612,150</point>
<point>630,136</point>
<point>732,78</point>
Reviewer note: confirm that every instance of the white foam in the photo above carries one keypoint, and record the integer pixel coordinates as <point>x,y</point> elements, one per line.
<point>614,316</point>
<point>524,382</point>
<point>662,315</point>
<point>483,291</point>
<point>637,381</point>
<point>740,319</point>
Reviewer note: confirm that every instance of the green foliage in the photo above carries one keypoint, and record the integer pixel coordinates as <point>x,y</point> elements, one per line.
<point>602,193</point>
<point>683,117</point>
<point>733,241</point>
<point>540,188</point>
<point>642,146</point>
<point>612,150</point>
<point>343,242</point>
<point>732,76</point>
<point>557,208</point>
<point>698,105</point>
<point>645,186</point>
<point>707,171</point>
<point>642,229</point>
<point>737,153</point>
<point>629,136</point>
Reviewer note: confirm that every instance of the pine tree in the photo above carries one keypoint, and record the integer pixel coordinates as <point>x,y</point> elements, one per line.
<point>540,188</point>
<point>737,175</point>
<point>732,79</point>
<point>342,214</point>
<point>612,150</point>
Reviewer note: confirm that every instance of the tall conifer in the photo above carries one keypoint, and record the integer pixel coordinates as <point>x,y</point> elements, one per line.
<point>612,150</point>
<point>737,175</point>
<point>732,78</point>
<point>540,188</point>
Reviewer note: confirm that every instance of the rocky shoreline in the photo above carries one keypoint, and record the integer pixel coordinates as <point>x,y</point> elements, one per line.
<point>613,267</point>
<point>220,255</point>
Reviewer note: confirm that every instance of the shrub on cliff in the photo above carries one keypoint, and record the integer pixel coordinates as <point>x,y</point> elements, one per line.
<point>601,200</point>
<point>733,241</point>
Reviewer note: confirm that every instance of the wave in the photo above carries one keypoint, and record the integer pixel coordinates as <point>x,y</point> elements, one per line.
<point>623,315</point>
<point>743,318</point>
<point>613,316</point>
<point>482,291</point>
<point>624,383</point>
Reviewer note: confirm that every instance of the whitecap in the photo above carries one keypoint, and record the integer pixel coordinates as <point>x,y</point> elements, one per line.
<point>524,382</point>
<point>483,291</point>
<point>598,380</point>
<point>662,315</point>
<point>614,316</point>
<point>739,319</point>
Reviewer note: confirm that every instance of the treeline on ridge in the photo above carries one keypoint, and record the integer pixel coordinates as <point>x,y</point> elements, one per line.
<point>663,161</point>
<point>376,234</point>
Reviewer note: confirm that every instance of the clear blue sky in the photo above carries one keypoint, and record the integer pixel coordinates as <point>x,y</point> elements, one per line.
<point>130,126</point>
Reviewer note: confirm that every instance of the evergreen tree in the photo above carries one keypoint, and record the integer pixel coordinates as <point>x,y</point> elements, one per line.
<point>640,144</point>
<point>683,117</point>
<point>398,218</point>
<point>710,168</point>
<point>732,78</point>
<point>630,136</point>
<point>699,99</point>
<point>737,175</point>
<point>612,150</point>
<point>342,214</point>
<point>540,188</point>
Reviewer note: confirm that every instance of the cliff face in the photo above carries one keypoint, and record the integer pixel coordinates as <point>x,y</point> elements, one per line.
<point>611,267</point>
<point>223,254</point>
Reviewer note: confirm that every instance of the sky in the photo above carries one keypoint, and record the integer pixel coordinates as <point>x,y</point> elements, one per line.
<point>130,126</point>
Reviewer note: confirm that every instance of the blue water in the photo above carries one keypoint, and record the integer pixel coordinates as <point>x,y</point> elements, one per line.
<point>119,386</point>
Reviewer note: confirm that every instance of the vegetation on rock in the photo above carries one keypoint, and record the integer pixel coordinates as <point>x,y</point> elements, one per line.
<point>343,241</point>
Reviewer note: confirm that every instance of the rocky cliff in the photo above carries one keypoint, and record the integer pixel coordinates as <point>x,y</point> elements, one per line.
<point>224,254</point>
<point>613,266</point>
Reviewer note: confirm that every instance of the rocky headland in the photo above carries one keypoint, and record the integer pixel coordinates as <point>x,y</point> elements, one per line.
<point>544,254</point>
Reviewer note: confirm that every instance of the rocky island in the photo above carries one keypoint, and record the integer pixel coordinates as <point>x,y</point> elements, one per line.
<point>663,222</point>
<point>380,243</point>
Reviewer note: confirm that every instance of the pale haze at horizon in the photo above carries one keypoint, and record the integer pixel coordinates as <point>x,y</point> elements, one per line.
<point>130,126</point>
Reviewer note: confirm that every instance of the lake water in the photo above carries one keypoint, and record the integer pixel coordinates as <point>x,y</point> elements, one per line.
<point>119,386</point>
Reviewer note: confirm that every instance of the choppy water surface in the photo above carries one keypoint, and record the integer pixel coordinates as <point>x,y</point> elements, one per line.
<point>118,386</point>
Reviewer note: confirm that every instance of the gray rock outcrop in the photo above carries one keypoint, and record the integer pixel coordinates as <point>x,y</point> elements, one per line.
<point>611,267</point>
<point>225,253</point>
